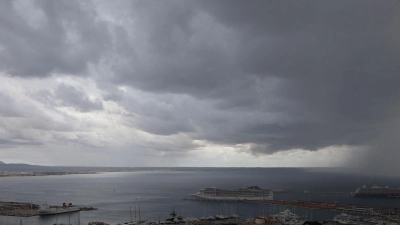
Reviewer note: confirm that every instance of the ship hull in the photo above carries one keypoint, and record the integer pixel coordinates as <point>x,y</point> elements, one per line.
<point>243,194</point>
<point>226,198</point>
<point>371,195</point>
<point>377,192</point>
<point>54,211</point>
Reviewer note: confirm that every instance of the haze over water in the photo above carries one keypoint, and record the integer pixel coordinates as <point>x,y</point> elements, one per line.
<point>157,192</point>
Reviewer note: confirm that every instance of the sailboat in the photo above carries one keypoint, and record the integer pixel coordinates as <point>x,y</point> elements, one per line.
<point>134,222</point>
<point>235,215</point>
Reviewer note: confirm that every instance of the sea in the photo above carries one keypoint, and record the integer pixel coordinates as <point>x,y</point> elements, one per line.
<point>159,191</point>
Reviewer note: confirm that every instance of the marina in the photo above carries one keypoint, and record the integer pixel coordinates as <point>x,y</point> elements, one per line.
<point>356,214</point>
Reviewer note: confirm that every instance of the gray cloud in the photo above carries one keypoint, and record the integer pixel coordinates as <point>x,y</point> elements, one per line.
<point>335,61</point>
<point>23,123</point>
<point>333,58</point>
<point>69,96</point>
<point>77,99</point>
<point>10,108</point>
<point>39,38</point>
<point>161,115</point>
<point>10,143</point>
<point>276,75</point>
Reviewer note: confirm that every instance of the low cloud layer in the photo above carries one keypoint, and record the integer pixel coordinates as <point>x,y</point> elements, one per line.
<point>184,76</point>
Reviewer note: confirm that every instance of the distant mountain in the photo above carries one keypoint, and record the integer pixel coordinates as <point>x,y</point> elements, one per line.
<point>19,167</point>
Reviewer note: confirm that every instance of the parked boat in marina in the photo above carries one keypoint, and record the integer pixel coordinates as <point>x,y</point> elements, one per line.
<point>134,222</point>
<point>287,217</point>
<point>347,219</point>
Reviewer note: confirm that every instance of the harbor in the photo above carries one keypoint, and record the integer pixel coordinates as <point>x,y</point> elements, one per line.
<point>115,195</point>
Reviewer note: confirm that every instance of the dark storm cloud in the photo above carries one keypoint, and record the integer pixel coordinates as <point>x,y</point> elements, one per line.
<point>174,56</point>
<point>42,37</point>
<point>340,59</point>
<point>337,62</point>
<point>340,62</point>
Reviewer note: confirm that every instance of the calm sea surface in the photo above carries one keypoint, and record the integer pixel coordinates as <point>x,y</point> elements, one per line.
<point>158,192</point>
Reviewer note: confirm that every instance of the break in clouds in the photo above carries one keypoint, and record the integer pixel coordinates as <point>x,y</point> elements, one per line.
<point>168,78</point>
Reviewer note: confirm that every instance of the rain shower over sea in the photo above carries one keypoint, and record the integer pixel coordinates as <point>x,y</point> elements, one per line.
<point>159,191</point>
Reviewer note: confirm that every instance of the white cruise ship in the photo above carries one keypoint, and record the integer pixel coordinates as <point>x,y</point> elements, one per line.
<point>246,193</point>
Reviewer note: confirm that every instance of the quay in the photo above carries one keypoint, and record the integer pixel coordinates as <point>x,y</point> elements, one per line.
<point>208,200</point>
<point>333,206</point>
<point>21,209</point>
<point>314,192</point>
<point>26,209</point>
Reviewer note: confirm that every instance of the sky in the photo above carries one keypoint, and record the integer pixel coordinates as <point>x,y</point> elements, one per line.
<point>201,83</point>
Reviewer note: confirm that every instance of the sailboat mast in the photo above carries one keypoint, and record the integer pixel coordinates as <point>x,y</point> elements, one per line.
<point>204,210</point>
<point>130,212</point>
<point>69,216</point>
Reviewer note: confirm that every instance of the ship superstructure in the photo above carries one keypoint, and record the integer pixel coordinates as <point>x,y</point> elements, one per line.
<point>51,210</point>
<point>246,193</point>
<point>376,191</point>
